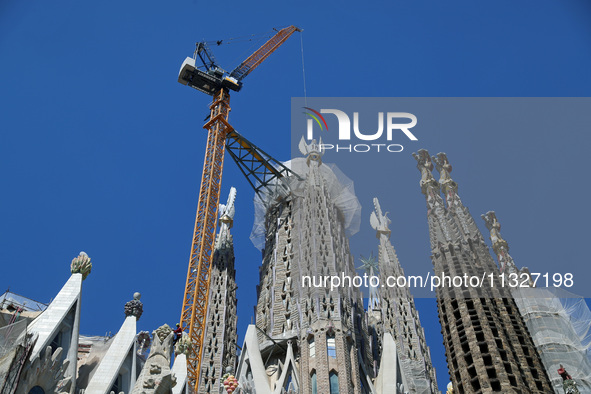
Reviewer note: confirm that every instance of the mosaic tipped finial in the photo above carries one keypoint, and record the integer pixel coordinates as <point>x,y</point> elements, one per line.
<point>81,265</point>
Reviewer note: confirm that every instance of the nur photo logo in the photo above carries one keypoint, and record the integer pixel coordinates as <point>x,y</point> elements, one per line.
<point>390,127</point>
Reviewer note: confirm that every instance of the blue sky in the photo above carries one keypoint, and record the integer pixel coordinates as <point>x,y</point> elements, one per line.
<point>101,149</point>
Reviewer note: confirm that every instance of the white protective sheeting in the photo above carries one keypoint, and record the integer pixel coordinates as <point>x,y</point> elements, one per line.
<point>339,186</point>
<point>559,323</point>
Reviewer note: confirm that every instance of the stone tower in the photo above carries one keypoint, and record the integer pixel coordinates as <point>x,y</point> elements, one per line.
<point>556,330</point>
<point>219,346</point>
<point>488,346</point>
<point>398,314</point>
<point>309,338</point>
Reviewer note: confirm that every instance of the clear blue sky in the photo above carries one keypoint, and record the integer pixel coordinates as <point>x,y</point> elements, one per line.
<point>101,149</point>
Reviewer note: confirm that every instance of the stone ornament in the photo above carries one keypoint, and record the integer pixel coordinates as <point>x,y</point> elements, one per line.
<point>379,221</point>
<point>81,265</point>
<point>134,307</point>
<point>47,372</point>
<point>449,389</point>
<point>183,345</point>
<point>425,165</point>
<point>229,382</point>
<point>156,377</point>
<point>312,151</point>
<point>143,341</point>
<point>227,211</point>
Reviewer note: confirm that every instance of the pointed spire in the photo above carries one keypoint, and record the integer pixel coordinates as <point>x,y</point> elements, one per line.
<point>460,214</point>
<point>499,245</point>
<point>440,231</point>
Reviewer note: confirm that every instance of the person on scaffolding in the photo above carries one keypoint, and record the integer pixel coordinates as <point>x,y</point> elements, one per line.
<point>562,372</point>
<point>178,333</point>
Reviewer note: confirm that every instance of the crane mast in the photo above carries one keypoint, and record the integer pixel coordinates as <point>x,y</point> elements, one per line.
<point>213,82</point>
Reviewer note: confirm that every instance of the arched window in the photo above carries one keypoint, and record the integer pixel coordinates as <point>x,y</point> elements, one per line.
<point>331,348</point>
<point>312,346</point>
<point>37,390</point>
<point>313,383</point>
<point>333,379</point>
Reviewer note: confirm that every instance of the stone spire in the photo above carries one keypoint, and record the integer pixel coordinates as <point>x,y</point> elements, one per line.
<point>556,337</point>
<point>488,346</point>
<point>118,365</point>
<point>219,346</point>
<point>464,222</point>
<point>399,315</point>
<point>323,328</point>
<point>439,229</point>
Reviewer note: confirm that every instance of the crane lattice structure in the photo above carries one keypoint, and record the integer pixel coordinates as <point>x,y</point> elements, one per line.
<point>260,169</point>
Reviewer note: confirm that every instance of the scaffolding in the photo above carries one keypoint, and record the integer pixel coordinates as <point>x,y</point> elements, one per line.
<point>559,323</point>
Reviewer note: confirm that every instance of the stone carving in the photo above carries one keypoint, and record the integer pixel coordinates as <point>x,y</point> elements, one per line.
<point>430,188</point>
<point>499,245</point>
<point>425,165</point>
<point>46,372</point>
<point>380,222</point>
<point>449,389</point>
<point>143,341</point>
<point>312,151</point>
<point>444,169</point>
<point>226,211</point>
<point>134,307</point>
<point>156,377</point>
<point>183,345</point>
<point>450,191</point>
<point>81,265</point>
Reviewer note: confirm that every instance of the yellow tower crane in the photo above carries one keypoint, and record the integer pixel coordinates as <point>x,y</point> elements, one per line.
<point>213,80</point>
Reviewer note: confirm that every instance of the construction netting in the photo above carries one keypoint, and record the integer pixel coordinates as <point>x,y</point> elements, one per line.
<point>340,188</point>
<point>559,323</point>
<point>12,340</point>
